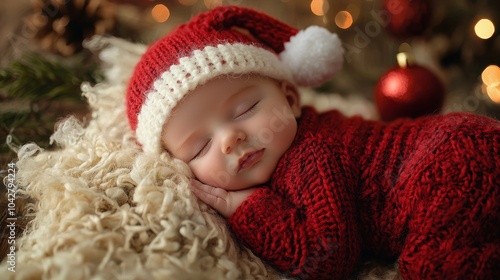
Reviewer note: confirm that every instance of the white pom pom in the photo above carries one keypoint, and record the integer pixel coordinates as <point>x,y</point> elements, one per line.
<point>314,55</point>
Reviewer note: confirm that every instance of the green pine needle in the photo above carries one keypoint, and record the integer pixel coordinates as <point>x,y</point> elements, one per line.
<point>35,77</point>
<point>31,90</point>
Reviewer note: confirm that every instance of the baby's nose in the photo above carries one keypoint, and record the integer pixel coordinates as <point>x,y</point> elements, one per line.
<point>231,140</point>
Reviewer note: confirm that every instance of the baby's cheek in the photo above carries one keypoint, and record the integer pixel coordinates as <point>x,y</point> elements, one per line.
<point>213,175</point>
<point>200,172</point>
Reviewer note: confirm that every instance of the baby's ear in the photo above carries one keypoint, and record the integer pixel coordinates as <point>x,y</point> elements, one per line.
<point>292,96</point>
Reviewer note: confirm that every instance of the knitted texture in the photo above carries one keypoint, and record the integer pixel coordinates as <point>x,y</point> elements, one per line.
<point>104,210</point>
<point>225,40</point>
<point>426,190</point>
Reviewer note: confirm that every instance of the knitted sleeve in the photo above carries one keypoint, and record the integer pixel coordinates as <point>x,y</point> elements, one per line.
<point>304,223</point>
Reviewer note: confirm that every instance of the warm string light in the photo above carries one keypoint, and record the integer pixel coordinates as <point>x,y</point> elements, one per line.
<point>484,28</point>
<point>491,80</point>
<point>319,7</point>
<point>160,13</point>
<point>343,19</point>
<point>494,93</point>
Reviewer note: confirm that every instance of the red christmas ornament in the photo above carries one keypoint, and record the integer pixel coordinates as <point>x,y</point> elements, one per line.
<point>408,91</point>
<point>407,18</point>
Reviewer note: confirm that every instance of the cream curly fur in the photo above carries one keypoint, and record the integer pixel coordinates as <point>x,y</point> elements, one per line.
<point>104,210</point>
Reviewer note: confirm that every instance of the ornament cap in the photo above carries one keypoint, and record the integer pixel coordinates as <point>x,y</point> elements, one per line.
<point>405,59</point>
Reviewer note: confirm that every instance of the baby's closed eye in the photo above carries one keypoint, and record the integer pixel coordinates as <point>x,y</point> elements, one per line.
<point>202,148</point>
<point>245,110</point>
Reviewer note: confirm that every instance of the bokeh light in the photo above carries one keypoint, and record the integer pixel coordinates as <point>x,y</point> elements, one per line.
<point>319,7</point>
<point>343,19</point>
<point>160,13</point>
<point>491,80</point>
<point>494,93</point>
<point>484,28</point>
<point>491,75</point>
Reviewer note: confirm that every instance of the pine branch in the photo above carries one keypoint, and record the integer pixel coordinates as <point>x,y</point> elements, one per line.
<point>35,78</point>
<point>35,92</point>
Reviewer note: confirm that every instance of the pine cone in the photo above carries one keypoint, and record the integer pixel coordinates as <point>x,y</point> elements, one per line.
<point>60,26</point>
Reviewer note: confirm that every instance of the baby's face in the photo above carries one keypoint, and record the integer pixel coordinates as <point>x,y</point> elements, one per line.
<point>233,131</point>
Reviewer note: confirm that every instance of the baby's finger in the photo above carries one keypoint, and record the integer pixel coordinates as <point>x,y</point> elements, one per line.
<point>214,197</point>
<point>218,192</point>
<point>212,200</point>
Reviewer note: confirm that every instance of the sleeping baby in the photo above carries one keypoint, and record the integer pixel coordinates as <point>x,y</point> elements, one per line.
<point>314,193</point>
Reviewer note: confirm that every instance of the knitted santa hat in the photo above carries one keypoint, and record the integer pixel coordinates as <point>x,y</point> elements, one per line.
<point>212,44</point>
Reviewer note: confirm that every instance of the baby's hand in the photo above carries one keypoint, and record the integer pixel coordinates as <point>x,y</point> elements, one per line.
<point>225,202</point>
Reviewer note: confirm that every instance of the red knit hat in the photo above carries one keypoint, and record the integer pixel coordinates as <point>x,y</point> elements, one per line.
<point>209,46</point>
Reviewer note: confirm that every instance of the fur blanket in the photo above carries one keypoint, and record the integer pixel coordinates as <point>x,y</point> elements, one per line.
<point>103,210</point>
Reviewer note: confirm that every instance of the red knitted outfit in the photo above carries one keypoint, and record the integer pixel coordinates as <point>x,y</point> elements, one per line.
<point>427,190</point>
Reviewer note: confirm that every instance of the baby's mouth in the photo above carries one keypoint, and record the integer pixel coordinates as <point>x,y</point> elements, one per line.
<point>249,159</point>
